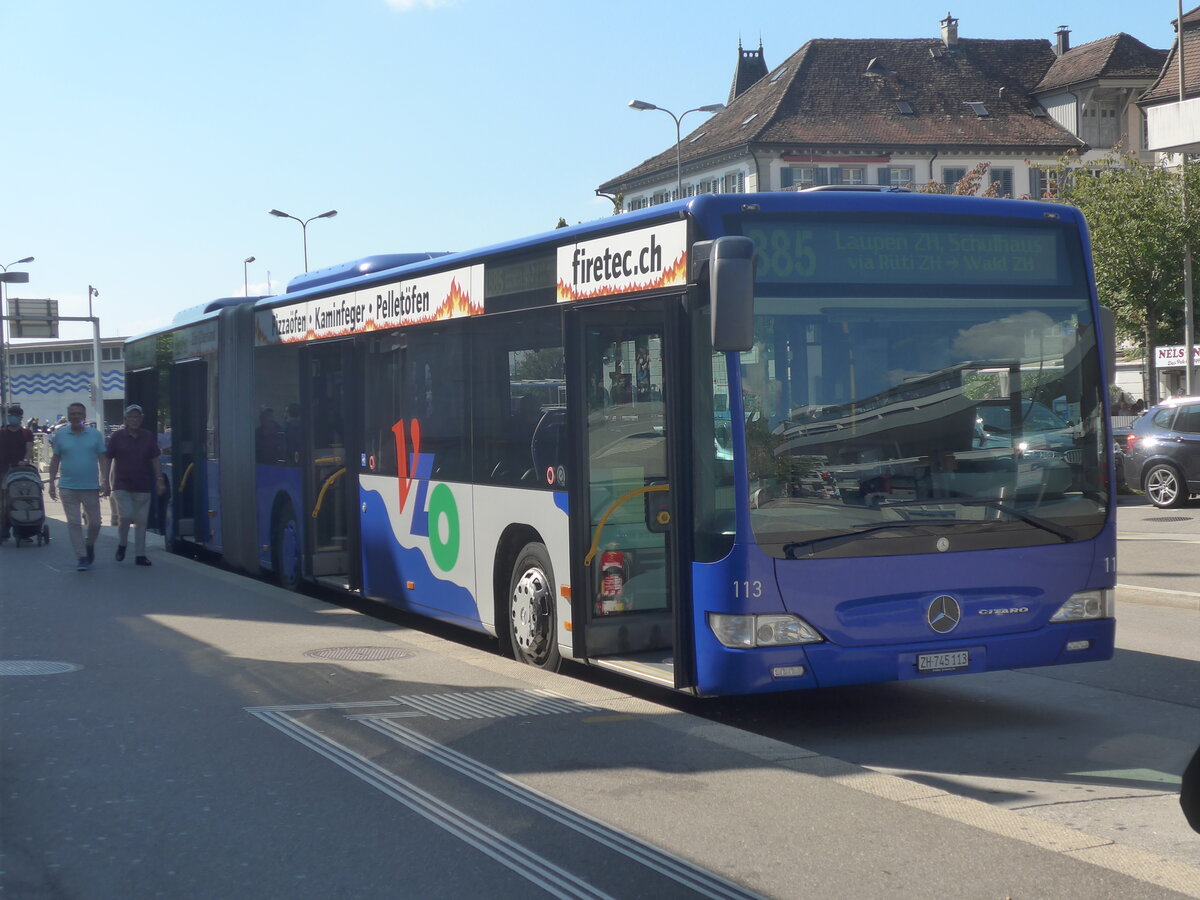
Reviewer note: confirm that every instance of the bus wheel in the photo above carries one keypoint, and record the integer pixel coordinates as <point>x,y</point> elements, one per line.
<point>532,626</point>
<point>285,549</point>
<point>1164,487</point>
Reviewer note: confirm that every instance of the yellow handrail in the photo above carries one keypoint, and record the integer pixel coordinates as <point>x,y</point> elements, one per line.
<point>648,489</point>
<point>326,486</point>
<point>186,473</point>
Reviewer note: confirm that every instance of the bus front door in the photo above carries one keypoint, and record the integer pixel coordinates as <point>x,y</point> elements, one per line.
<point>626,534</point>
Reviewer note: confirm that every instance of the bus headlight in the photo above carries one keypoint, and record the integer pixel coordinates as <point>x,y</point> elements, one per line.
<point>1098,604</point>
<point>741,632</point>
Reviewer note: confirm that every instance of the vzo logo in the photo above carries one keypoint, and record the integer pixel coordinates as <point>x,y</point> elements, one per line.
<point>438,520</point>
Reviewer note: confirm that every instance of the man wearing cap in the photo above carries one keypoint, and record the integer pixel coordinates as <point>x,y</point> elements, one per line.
<point>16,447</point>
<point>136,474</point>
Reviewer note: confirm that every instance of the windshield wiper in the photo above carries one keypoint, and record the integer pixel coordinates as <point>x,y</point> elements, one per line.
<point>996,503</point>
<point>836,540</point>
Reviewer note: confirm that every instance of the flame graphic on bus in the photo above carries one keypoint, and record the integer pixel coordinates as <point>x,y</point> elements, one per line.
<point>457,303</point>
<point>676,273</point>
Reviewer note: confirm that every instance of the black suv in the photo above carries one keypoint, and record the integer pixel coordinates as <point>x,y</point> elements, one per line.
<point>1163,452</point>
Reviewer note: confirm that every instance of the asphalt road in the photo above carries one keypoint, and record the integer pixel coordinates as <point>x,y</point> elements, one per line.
<point>1097,746</point>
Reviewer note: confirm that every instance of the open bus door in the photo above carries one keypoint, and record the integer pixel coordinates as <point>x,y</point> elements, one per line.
<point>188,472</point>
<point>141,387</point>
<point>332,429</point>
<point>629,573</point>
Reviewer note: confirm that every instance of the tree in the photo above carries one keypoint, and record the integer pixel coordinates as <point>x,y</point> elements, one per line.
<point>1135,214</point>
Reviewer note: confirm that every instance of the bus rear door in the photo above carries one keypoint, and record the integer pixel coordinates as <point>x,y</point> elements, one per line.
<point>330,459</point>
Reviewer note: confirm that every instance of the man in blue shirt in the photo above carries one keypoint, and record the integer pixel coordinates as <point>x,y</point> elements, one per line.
<point>79,453</point>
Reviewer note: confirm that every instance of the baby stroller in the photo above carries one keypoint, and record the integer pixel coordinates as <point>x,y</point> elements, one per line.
<point>23,504</point>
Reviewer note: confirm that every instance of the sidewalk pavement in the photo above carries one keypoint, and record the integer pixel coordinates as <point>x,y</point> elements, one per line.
<point>145,769</point>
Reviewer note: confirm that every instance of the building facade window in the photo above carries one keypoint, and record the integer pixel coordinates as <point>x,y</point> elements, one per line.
<point>900,176</point>
<point>853,175</point>
<point>735,183</point>
<point>1005,178</point>
<point>796,178</point>
<point>952,175</point>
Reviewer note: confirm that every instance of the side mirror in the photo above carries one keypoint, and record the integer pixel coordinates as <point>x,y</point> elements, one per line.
<point>730,271</point>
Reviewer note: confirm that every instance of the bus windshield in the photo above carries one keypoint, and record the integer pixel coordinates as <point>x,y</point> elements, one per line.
<point>919,386</point>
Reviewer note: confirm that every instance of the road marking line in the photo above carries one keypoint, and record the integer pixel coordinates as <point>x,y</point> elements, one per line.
<point>701,881</point>
<point>510,854</point>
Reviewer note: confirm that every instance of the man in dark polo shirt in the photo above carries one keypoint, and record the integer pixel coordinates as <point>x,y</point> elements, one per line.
<point>136,474</point>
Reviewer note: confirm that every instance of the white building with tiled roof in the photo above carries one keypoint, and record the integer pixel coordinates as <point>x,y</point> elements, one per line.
<point>1173,123</point>
<point>906,112</point>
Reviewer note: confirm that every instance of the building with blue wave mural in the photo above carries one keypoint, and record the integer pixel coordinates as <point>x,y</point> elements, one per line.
<point>45,376</point>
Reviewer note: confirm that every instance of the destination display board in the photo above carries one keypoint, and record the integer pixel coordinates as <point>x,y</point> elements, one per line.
<point>903,252</point>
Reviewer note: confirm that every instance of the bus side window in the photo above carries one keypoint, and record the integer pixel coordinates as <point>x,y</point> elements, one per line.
<point>435,394</point>
<point>519,386</point>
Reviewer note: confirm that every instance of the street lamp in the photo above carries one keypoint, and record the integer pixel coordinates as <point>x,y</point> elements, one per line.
<point>246,276</point>
<point>710,108</point>
<point>304,226</point>
<point>98,400</point>
<point>3,312</point>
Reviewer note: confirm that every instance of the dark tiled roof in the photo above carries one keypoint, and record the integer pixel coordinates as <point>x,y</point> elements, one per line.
<point>1117,56</point>
<point>821,96</point>
<point>1167,87</point>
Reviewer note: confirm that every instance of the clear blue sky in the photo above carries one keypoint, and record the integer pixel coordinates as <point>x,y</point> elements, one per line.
<point>143,141</point>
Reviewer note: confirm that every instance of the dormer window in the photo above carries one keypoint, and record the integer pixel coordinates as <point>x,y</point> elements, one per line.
<point>752,117</point>
<point>778,74</point>
<point>905,108</point>
<point>978,108</point>
<point>878,67</point>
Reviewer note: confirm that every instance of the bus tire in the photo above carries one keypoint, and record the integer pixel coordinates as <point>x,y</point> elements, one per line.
<point>285,549</point>
<point>1165,487</point>
<point>532,623</point>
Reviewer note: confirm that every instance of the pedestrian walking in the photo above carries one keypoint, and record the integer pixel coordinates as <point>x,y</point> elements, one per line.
<point>80,454</point>
<point>16,448</point>
<point>135,475</point>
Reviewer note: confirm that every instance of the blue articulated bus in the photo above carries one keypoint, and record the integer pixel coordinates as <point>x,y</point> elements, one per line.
<point>729,445</point>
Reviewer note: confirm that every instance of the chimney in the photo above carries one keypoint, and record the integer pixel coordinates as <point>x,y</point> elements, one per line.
<point>1064,40</point>
<point>950,32</point>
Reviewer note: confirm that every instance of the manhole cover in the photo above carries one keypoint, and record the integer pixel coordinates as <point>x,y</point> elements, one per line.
<point>1169,519</point>
<point>359,654</point>
<point>34,667</point>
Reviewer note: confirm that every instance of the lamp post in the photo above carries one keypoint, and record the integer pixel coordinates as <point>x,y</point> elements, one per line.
<point>4,312</point>
<point>710,108</point>
<point>246,275</point>
<point>98,400</point>
<point>304,226</point>
<point>1189,321</point>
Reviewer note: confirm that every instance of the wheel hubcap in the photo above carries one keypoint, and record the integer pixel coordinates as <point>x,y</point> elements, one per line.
<point>530,602</point>
<point>1162,487</point>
